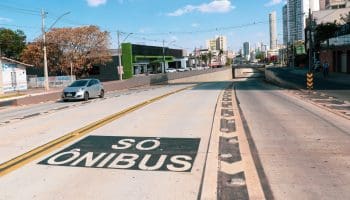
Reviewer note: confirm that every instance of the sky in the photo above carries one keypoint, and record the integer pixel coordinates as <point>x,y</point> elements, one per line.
<point>183,24</point>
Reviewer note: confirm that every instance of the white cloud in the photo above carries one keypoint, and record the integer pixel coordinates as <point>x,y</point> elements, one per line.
<point>216,6</point>
<point>96,3</point>
<point>4,19</point>
<point>274,2</point>
<point>195,25</point>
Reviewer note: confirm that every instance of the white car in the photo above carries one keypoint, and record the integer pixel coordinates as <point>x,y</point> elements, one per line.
<point>83,89</point>
<point>170,70</point>
<point>181,70</point>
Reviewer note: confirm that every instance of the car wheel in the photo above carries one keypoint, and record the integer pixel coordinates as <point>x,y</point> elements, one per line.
<point>65,100</point>
<point>86,96</point>
<point>102,94</point>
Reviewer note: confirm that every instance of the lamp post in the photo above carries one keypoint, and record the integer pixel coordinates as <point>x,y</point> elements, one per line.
<point>46,72</point>
<point>120,67</point>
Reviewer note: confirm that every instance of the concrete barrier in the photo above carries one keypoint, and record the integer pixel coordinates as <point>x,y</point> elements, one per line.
<point>218,74</point>
<point>270,76</point>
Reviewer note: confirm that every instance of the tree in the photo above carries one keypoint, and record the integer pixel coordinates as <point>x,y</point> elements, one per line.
<point>12,43</point>
<point>345,18</point>
<point>210,57</point>
<point>204,58</point>
<point>324,32</point>
<point>221,52</point>
<point>82,46</point>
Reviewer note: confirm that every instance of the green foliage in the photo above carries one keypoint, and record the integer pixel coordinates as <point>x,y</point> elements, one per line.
<point>12,43</point>
<point>260,56</point>
<point>324,32</point>
<point>127,60</point>
<point>204,58</point>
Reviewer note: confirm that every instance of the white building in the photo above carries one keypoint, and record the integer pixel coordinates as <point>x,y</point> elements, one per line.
<point>13,75</point>
<point>273,30</point>
<point>217,44</point>
<point>298,11</point>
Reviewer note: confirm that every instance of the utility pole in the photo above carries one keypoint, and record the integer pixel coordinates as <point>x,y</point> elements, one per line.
<point>71,71</point>
<point>46,73</point>
<point>1,81</point>
<point>163,68</point>
<point>120,67</point>
<point>310,41</point>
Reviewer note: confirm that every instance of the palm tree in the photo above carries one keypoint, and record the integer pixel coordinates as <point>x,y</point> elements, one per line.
<point>204,58</point>
<point>220,54</point>
<point>210,56</point>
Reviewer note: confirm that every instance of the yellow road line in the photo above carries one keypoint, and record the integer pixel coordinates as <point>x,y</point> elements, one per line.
<point>25,158</point>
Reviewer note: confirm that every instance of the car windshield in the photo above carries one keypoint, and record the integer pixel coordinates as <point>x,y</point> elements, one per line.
<point>79,83</point>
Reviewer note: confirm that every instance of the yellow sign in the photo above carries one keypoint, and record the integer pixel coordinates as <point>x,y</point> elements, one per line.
<point>310,81</point>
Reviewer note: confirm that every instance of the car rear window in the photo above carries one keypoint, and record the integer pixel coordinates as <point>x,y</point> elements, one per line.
<point>79,83</point>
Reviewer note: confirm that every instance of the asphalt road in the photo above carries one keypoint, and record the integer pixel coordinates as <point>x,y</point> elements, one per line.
<point>153,152</point>
<point>158,148</point>
<point>304,150</point>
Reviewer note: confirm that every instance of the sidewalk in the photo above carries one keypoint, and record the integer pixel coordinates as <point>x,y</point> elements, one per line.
<point>336,85</point>
<point>335,77</point>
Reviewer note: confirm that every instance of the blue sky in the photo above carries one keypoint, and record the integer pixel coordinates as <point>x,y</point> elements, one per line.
<point>188,22</point>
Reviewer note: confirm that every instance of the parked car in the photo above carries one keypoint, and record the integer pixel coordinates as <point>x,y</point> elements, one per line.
<point>170,70</point>
<point>181,70</point>
<point>83,89</point>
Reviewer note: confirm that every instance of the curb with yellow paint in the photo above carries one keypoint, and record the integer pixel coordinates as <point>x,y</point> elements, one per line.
<point>25,158</point>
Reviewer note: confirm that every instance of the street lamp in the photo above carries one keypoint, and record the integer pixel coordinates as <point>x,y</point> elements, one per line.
<point>163,68</point>
<point>120,67</point>
<point>46,73</point>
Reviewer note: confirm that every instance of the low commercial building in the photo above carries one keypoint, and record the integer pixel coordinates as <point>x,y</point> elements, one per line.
<point>336,51</point>
<point>13,75</point>
<point>142,59</point>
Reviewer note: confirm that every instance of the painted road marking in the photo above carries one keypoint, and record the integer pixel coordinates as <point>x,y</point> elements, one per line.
<point>129,153</point>
<point>43,150</point>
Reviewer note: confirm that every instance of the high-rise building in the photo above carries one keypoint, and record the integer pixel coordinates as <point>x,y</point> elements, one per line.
<point>298,11</point>
<point>246,50</point>
<point>217,44</point>
<point>273,30</point>
<point>336,4</point>
<point>322,4</point>
<point>285,24</point>
<point>221,43</point>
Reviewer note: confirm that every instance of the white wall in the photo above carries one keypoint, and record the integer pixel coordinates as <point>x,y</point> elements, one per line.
<point>14,77</point>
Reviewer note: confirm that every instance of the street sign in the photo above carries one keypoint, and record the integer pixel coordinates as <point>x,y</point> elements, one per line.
<point>310,81</point>
<point>129,153</point>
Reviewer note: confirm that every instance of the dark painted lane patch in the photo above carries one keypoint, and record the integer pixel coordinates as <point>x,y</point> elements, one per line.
<point>32,115</point>
<point>129,153</point>
<point>229,150</point>
<point>329,102</point>
<point>227,104</point>
<point>61,108</point>
<point>232,186</point>
<point>227,125</point>
<point>227,113</point>
<point>340,107</point>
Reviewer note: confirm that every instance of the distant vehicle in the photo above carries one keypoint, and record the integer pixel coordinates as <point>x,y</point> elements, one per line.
<point>170,70</point>
<point>83,89</point>
<point>181,70</point>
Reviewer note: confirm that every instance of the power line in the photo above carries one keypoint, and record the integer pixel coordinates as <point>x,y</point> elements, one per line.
<point>21,10</point>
